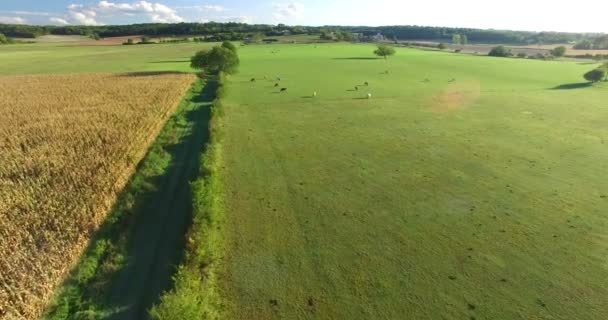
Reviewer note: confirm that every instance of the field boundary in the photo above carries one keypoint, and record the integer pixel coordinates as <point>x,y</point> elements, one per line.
<point>195,294</point>
<point>144,215</point>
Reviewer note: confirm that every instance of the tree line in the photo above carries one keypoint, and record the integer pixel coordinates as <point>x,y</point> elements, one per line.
<point>238,31</point>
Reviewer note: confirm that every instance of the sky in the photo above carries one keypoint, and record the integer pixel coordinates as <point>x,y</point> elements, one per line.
<point>532,15</point>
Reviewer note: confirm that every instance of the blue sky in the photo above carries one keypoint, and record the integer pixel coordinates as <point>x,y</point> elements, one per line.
<point>535,15</point>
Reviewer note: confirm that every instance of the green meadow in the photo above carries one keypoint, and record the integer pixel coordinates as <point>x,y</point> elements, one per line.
<point>45,58</point>
<point>466,187</point>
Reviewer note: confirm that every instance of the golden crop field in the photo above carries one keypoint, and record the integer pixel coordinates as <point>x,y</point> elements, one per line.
<point>68,144</point>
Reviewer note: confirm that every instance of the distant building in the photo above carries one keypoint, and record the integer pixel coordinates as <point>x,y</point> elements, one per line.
<point>378,37</point>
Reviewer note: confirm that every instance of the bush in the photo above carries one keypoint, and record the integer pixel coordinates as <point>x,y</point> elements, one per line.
<point>129,42</point>
<point>595,75</point>
<point>584,45</point>
<point>522,55</point>
<point>3,39</point>
<point>146,40</point>
<point>384,51</point>
<point>229,45</point>
<point>218,59</point>
<point>458,50</point>
<point>442,46</point>
<point>500,51</point>
<point>559,51</point>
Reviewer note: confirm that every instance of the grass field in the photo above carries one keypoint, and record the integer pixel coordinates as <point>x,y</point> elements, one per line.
<point>481,198</point>
<point>467,187</point>
<point>69,58</point>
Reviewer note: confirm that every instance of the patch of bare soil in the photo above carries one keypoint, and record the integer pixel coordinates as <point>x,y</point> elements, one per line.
<point>456,96</point>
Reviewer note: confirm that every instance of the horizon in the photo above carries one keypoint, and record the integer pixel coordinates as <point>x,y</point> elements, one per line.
<point>470,14</point>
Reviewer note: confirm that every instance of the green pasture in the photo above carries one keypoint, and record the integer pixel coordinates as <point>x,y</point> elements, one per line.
<point>466,188</point>
<point>43,58</point>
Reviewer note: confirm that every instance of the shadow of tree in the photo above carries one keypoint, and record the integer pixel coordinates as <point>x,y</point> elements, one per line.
<point>571,86</point>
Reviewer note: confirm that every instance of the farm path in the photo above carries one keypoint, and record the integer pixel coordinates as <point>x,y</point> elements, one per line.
<point>157,242</point>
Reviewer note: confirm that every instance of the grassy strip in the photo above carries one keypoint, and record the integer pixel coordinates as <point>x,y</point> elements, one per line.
<point>195,294</point>
<point>84,294</point>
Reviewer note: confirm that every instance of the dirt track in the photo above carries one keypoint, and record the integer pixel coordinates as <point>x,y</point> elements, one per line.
<point>157,243</point>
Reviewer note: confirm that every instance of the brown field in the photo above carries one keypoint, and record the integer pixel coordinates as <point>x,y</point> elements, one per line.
<point>531,49</point>
<point>68,144</point>
<point>112,41</point>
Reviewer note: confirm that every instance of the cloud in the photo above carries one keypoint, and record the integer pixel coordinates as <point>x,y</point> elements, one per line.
<point>157,12</point>
<point>12,20</point>
<point>82,15</point>
<point>88,15</point>
<point>285,11</point>
<point>58,21</point>
<point>205,8</point>
<point>239,19</point>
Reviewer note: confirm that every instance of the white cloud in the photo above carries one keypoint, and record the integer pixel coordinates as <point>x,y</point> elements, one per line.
<point>82,15</point>
<point>157,12</point>
<point>204,8</point>
<point>12,20</point>
<point>88,15</point>
<point>239,19</point>
<point>58,21</point>
<point>288,11</point>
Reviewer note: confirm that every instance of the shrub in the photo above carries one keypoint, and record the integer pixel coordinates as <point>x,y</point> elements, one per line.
<point>3,39</point>
<point>218,59</point>
<point>584,45</point>
<point>384,51</point>
<point>146,40</point>
<point>500,51</point>
<point>442,46</point>
<point>229,45</point>
<point>559,51</point>
<point>522,55</point>
<point>595,75</point>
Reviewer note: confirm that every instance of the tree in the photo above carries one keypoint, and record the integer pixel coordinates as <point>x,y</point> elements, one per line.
<point>384,51</point>
<point>605,68</point>
<point>3,39</point>
<point>559,51</point>
<point>218,59</point>
<point>146,40</point>
<point>522,55</point>
<point>584,45</point>
<point>456,39</point>
<point>464,39</point>
<point>442,46</point>
<point>595,75</point>
<point>500,51</point>
<point>229,45</point>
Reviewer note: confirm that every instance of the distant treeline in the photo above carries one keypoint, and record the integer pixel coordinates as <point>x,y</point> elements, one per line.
<point>237,31</point>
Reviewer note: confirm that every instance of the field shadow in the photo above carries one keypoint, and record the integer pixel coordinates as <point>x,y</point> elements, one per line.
<point>150,73</point>
<point>148,223</point>
<point>356,58</point>
<point>571,86</point>
<point>170,61</point>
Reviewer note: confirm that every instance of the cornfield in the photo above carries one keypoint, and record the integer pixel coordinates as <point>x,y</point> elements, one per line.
<point>68,144</point>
